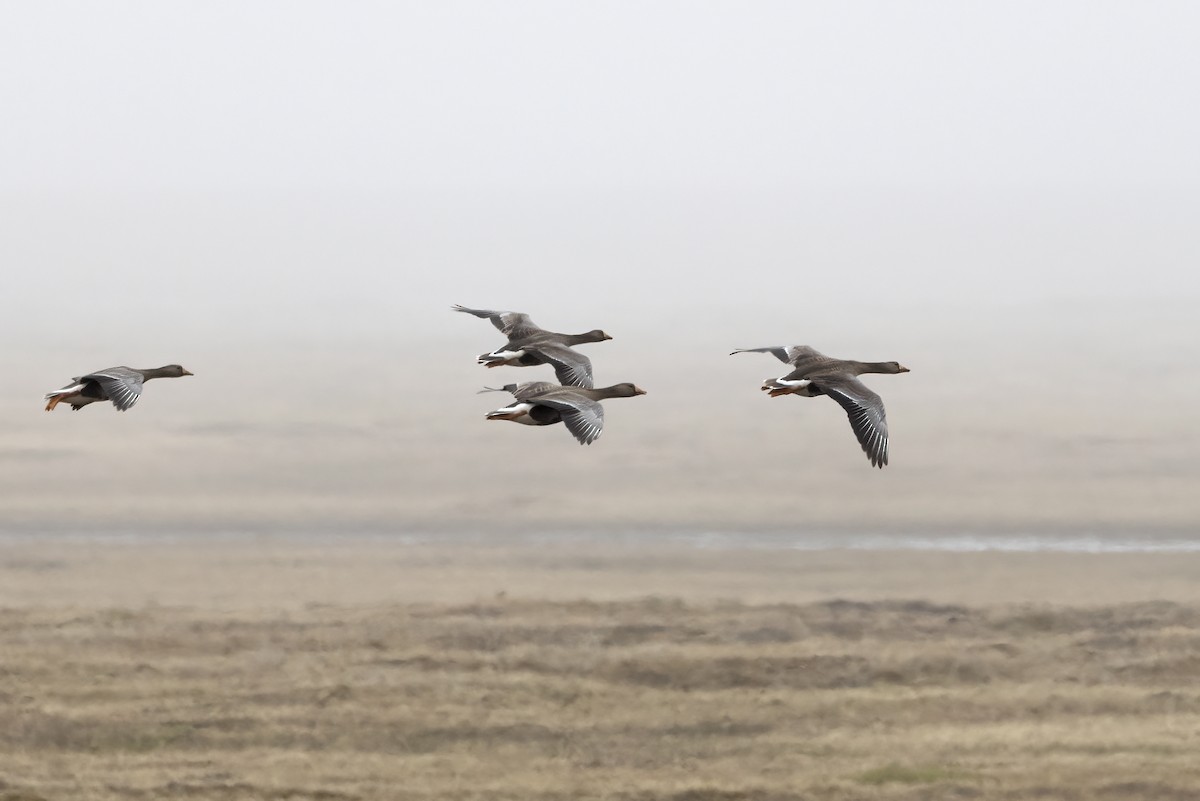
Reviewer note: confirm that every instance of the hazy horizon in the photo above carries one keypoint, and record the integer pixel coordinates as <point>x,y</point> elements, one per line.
<point>287,202</point>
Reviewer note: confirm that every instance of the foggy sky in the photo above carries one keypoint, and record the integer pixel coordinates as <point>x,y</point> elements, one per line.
<point>287,198</point>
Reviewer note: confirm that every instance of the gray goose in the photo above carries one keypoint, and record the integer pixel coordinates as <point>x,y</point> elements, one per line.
<point>540,403</point>
<point>530,344</point>
<point>817,374</point>
<point>121,385</point>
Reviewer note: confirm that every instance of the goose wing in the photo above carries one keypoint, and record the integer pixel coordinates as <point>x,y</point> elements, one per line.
<point>533,389</point>
<point>572,367</point>
<point>788,354</point>
<point>526,390</point>
<point>514,325</point>
<point>582,416</point>
<point>866,413</point>
<point>122,385</point>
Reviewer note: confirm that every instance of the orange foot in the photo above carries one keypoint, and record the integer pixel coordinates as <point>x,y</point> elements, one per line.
<point>57,399</point>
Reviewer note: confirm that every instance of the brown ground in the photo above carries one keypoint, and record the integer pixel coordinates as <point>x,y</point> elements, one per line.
<point>369,670</point>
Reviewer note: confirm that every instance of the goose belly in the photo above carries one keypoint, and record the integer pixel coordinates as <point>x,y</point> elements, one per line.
<point>528,414</point>
<point>802,387</point>
<point>525,416</point>
<point>82,400</point>
<point>501,356</point>
<point>78,395</point>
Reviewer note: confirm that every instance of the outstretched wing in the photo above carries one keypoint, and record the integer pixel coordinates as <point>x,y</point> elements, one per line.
<point>514,325</point>
<point>582,416</point>
<point>526,390</point>
<point>572,367</point>
<point>866,413</point>
<point>788,354</point>
<point>122,385</point>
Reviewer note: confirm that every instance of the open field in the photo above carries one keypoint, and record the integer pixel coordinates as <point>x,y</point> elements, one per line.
<point>346,671</point>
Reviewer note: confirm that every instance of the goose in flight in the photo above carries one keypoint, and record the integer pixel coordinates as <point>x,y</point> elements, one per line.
<point>529,344</point>
<point>121,385</point>
<point>817,374</point>
<point>540,403</point>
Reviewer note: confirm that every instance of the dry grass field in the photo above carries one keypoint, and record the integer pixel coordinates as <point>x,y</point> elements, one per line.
<point>338,671</point>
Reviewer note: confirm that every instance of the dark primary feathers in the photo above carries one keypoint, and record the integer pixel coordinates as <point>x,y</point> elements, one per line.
<point>570,366</point>
<point>817,374</point>
<point>867,416</point>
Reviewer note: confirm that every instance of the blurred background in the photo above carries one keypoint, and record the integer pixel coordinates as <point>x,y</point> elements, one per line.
<point>287,198</point>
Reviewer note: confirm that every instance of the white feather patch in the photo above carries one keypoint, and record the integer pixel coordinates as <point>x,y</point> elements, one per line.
<point>516,412</point>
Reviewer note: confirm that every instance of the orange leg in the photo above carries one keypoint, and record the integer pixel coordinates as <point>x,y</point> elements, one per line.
<point>56,399</point>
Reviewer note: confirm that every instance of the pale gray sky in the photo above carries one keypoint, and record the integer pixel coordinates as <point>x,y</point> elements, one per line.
<point>269,192</point>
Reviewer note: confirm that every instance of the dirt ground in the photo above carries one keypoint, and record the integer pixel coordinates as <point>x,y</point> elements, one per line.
<point>371,669</point>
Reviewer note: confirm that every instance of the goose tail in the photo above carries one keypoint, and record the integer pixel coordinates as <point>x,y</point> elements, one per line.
<point>59,395</point>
